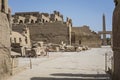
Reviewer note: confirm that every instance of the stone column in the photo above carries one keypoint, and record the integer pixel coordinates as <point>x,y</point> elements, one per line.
<point>104,30</point>
<point>111,40</point>
<point>116,40</point>
<point>70,35</point>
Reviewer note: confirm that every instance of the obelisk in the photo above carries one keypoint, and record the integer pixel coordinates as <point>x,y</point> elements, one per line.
<point>104,31</point>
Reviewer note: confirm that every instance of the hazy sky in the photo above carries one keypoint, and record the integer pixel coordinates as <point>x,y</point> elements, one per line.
<point>82,12</point>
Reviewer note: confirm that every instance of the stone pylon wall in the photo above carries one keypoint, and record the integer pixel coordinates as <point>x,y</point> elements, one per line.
<point>49,32</point>
<point>5,63</point>
<point>116,41</point>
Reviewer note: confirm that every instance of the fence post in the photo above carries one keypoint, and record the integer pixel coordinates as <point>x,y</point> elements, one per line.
<point>12,73</point>
<point>30,63</point>
<point>105,61</point>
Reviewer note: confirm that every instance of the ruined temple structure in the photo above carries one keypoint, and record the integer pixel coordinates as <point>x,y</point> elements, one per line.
<point>20,38</point>
<point>20,35</point>
<point>116,40</point>
<point>5,64</point>
<point>49,28</point>
<point>84,36</point>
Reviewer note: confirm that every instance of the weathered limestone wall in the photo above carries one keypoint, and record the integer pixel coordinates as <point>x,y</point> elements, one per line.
<point>56,16</point>
<point>45,27</point>
<point>49,32</point>
<point>4,30</point>
<point>0,5</point>
<point>4,6</point>
<point>5,64</point>
<point>84,36</point>
<point>36,17</point>
<point>21,35</point>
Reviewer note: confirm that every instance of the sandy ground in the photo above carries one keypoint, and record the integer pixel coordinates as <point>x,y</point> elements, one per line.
<point>85,65</point>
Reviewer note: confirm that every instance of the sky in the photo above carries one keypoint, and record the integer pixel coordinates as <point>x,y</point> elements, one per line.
<point>82,12</point>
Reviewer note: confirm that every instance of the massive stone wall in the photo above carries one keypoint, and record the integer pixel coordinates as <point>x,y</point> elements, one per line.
<point>116,40</point>
<point>5,64</point>
<point>54,32</point>
<point>49,28</point>
<point>84,36</point>
<point>49,32</point>
<point>4,30</point>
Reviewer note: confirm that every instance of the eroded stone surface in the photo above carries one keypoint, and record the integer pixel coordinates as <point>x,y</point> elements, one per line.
<point>116,40</point>
<point>5,64</point>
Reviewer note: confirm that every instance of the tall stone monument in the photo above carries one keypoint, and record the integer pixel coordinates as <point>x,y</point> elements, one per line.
<point>5,64</point>
<point>104,31</point>
<point>116,40</point>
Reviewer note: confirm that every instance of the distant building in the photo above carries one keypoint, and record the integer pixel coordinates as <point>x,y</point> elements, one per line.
<point>49,28</point>
<point>36,17</point>
<point>17,38</point>
<point>84,36</point>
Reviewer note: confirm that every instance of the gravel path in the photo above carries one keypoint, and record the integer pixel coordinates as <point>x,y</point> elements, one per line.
<point>85,65</point>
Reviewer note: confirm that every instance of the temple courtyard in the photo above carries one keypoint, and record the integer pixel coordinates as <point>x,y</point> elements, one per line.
<point>84,65</point>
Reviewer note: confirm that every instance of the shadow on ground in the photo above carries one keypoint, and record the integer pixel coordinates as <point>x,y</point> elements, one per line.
<point>80,75</point>
<point>74,77</point>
